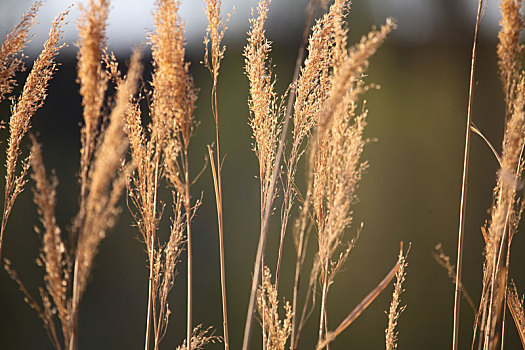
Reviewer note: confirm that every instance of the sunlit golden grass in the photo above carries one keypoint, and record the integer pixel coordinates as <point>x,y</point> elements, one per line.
<point>135,139</point>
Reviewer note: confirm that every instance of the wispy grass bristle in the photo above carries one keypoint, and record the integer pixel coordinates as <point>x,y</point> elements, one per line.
<point>13,44</point>
<point>23,110</point>
<point>276,330</point>
<point>396,309</point>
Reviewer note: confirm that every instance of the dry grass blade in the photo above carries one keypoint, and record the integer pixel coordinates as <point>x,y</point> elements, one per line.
<point>358,310</point>
<point>25,107</point>
<point>13,43</point>
<point>516,310</point>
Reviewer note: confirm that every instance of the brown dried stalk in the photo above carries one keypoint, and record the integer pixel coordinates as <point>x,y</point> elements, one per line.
<point>463,202</point>
<point>13,44</point>
<point>214,53</point>
<point>25,107</point>
<point>301,235</point>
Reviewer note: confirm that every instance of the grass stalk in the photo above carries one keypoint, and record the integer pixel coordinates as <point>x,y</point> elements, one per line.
<point>217,183</point>
<point>151,292</point>
<point>213,38</point>
<point>463,203</point>
<point>218,201</point>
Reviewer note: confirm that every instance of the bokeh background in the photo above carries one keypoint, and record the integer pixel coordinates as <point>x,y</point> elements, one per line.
<point>410,192</point>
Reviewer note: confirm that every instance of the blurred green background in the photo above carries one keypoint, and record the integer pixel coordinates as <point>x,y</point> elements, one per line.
<point>410,192</point>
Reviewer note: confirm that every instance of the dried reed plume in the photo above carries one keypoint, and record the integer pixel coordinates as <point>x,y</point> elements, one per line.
<point>106,181</point>
<point>163,153</point>
<point>53,257</point>
<point>258,25</point>
<point>395,309</point>
<point>327,40</point>
<point>507,208</point>
<point>509,49</point>
<point>263,104</point>
<point>200,338</point>
<point>213,55</point>
<point>104,190</point>
<point>337,166</point>
<point>275,330</point>
<point>328,87</point>
<point>13,44</point>
<point>93,81</point>
<point>106,184</point>
<point>23,109</point>
<point>53,252</point>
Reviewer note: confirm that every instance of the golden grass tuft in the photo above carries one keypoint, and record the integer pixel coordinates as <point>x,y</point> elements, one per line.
<point>395,308</point>
<point>13,44</point>
<point>22,110</point>
<point>275,330</point>
<point>161,152</point>
<point>92,79</point>
<point>120,151</point>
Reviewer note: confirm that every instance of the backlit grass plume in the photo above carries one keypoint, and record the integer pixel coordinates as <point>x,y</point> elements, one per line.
<point>161,153</point>
<point>13,44</point>
<point>67,269</point>
<point>23,110</point>
<point>328,89</point>
<point>506,210</point>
